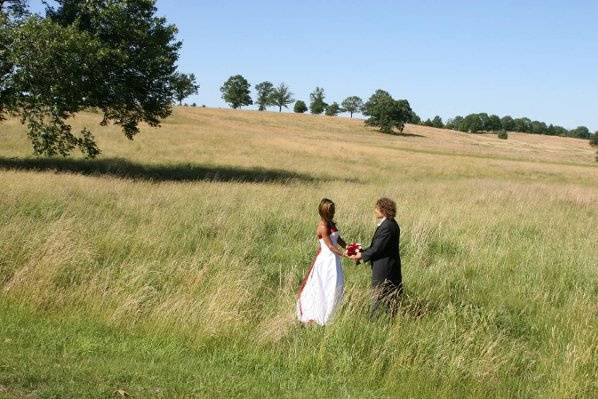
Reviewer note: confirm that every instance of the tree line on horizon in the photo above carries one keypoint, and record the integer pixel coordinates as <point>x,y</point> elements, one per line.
<point>236,91</point>
<point>382,110</point>
<point>482,122</point>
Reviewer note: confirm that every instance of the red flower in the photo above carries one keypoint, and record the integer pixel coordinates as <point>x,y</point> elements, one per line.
<point>354,248</point>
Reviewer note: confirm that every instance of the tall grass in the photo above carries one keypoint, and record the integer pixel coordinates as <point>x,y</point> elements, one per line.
<point>171,270</point>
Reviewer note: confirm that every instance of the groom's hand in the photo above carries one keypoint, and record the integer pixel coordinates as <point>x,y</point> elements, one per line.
<point>356,257</point>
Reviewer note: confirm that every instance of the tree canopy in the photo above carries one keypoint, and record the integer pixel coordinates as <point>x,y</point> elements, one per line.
<point>264,95</point>
<point>117,57</point>
<point>282,96</point>
<point>333,109</point>
<point>482,122</point>
<point>387,113</point>
<point>317,104</point>
<point>235,91</point>
<point>352,105</point>
<point>300,107</point>
<point>184,86</point>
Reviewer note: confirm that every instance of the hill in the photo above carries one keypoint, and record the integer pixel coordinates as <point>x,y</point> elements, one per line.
<point>168,267</point>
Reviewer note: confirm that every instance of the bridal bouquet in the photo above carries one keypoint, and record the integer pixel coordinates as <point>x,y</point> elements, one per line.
<point>354,248</point>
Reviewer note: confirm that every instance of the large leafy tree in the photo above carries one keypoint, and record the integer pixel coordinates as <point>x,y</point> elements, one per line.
<point>352,104</point>
<point>386,113</point>
<point>235,91</point>
<point>282,96</point>
<point>317,104</point>
<point>115,56</point>
<point>264,95</point>
<point>184,86</point>
<point>11,12</point>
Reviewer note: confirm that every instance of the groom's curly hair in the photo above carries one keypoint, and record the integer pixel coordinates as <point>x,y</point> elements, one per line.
<point>387,206</point>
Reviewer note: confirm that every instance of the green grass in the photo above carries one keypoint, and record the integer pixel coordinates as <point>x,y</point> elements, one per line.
<point>168,268</point>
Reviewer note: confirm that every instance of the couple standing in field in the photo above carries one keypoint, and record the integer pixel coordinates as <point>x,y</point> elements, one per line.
<point>322,288</point>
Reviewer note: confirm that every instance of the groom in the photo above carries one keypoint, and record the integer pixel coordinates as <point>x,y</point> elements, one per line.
<point>384,256</point>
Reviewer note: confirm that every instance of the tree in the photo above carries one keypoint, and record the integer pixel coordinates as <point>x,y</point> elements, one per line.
<point>437,122</point>
<point>484,121</point>
<point>428,122</point>
<point>385,112</point>
<point>235,91</point>
<point>114,56</point>
<point>507,123</point>
<point>538,127</point>
<point>184,86</point>
<point>264,95</point>
<point>454,123</point>
<point>352,104</point>
<point>472,124</point>
<point>13,8</point>
<point>594,139</point>
<point>300,107</point>
<point>415,119</point>
<point>281,96</point>
<point>581,132</point>
<point>6,67</point>
<point>522,125</point>
<point>317,104</point>
<point>494,123</point>
<point>333,109</point>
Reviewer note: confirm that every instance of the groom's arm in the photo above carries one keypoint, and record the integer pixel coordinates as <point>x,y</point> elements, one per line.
<point>380,242</point>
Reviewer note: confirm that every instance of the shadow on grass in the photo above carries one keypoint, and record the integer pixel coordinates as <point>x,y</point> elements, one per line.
<point>121,168</point>
<point>407,135</point>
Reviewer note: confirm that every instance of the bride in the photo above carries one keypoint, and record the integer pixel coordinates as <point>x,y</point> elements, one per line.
<point>321,291</point>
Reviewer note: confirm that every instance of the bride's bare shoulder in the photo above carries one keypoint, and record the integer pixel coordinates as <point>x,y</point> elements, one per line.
<point>321,229</point>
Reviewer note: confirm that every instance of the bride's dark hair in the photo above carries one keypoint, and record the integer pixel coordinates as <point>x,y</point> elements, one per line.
<point>326,210</point>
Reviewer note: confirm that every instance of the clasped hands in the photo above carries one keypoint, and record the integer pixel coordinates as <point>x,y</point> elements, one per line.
<point>356,258</point>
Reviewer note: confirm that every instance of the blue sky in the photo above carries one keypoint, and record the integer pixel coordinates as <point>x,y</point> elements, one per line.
<point>524,58</point>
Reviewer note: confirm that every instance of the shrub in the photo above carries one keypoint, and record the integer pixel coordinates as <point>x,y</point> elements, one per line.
<point>502,134</point>
<point>300,107</point>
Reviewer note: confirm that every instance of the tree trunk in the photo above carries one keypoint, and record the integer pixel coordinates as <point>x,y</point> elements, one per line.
<point>351,114</point>
<point>280,108</point>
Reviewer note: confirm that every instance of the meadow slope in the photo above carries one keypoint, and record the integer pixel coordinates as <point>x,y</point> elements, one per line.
<point>168,267</point>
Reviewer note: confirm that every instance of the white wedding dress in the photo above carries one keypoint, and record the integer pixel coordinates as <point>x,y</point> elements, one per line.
<point>322,290</point>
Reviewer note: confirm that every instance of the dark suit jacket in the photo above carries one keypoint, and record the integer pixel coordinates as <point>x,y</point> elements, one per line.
<point>383,253</point>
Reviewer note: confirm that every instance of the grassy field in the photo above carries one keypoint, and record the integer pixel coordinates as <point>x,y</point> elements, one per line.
<point>168,267</point>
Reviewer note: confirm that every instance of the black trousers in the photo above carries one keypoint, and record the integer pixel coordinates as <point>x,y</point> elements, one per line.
<point>385,298</point>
